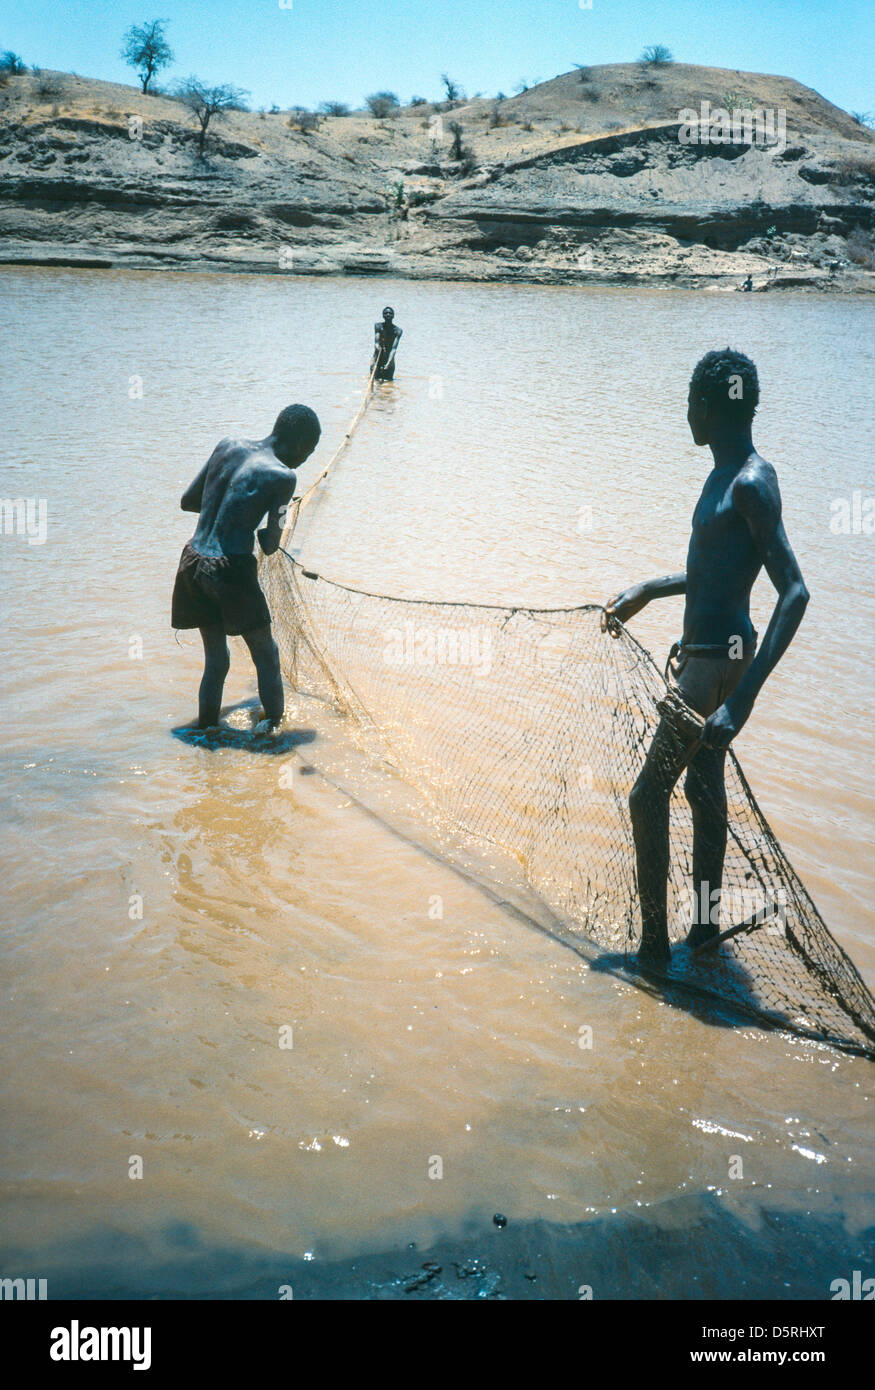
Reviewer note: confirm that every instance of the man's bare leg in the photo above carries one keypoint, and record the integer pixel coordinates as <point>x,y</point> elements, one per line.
<point>649,808</point>
<point>216,663</point>
<point>706,792</point>
<point>264,653</point>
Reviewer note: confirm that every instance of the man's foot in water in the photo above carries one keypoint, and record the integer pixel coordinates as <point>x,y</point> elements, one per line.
<point>654,955</point>
<point>701,933</point>
<point>267,726</point>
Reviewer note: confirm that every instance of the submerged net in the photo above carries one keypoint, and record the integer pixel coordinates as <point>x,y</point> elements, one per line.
<point>525,730</point>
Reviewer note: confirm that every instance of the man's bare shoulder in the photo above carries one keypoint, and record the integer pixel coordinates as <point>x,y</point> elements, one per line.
<point>756,480</point>
<point>755,491</point>
<point>264,458</point>
<point>227,453</point>
<point>252,458</point>
<point>273,474</point>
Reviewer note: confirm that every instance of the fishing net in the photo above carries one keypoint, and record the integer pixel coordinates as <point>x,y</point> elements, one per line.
<point>525,730</point>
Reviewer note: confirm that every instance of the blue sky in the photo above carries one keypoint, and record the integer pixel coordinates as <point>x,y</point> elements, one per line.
<point>301,52</point>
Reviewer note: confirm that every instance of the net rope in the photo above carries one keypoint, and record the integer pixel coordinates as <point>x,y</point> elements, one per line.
<point>524,729</point>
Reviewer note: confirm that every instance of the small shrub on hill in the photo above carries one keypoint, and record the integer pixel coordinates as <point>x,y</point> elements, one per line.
<point>656,55</point>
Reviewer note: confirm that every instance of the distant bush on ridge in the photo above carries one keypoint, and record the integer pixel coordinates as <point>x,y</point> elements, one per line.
<point>382,104</point>
<point>656,55</point>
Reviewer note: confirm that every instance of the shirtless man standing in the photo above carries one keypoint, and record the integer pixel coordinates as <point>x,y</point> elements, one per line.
<point>217,587</point>
<point>387,336</point>
<point>736,531</point>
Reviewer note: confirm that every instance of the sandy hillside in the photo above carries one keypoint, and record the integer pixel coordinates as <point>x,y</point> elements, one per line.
<point>582,178</point>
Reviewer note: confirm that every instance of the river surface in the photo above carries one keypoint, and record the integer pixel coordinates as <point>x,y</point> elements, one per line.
<point>168,909</point>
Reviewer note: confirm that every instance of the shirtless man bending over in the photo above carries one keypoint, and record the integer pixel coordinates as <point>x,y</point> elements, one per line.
<point>217,587</point>
<point>736,532</point>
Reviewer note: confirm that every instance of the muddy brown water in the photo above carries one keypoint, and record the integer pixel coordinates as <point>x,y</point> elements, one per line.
<point>168,908</point>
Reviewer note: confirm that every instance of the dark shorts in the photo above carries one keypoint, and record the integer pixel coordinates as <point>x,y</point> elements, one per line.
<point>386,373</point>
<point>218,591</point>
<point>705,682</point>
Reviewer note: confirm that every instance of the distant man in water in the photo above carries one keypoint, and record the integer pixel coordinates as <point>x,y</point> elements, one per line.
<point>217,587</point>
<point>736,531</point>
<point>387,336</point>
<point>748,283</point>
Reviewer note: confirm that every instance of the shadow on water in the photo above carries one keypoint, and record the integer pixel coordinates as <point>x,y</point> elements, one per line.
<point>224,736</point>
<point>690,1247</point>
<point>690,985</point>
<point>234,735</point>
<point>692,996</point>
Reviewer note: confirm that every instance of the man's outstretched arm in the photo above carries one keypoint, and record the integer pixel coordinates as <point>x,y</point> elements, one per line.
<point>632,600</point>
<point>761,508</point>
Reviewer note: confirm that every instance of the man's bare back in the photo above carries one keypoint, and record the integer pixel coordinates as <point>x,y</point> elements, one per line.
<point>241,481</point>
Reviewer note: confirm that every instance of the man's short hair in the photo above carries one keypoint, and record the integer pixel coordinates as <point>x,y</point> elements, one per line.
<point>389,310</point>
<point>298,427</point>
<point>729,384</point>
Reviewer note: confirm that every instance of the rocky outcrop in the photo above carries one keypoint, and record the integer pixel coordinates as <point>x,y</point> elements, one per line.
<point>106,176</point>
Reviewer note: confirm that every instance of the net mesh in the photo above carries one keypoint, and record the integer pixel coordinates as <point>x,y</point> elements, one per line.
<point>525,730</point>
